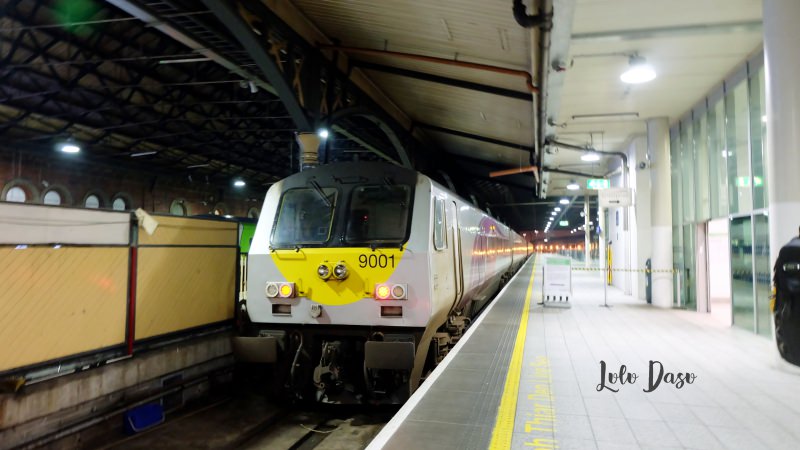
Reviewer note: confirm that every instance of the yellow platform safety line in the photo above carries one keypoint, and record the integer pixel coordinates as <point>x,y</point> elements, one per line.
<point>506,412</point>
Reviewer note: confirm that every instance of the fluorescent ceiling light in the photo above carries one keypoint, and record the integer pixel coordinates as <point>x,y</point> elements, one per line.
<point>239,183</point>
<point>590,157</point>
<point>69,147</point>
<point>323,133</point>
<point>183,60</point>
<point>564,201</point>
<point>573,186</point>
<point>195,166</point>
<point>638,72</point>
<point>557,208</point>
<point>136,155</point>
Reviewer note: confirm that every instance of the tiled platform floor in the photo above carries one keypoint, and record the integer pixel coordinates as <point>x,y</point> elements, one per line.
<point>742,398</point>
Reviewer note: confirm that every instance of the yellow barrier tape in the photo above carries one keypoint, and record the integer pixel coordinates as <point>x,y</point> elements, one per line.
<point>599,269</point>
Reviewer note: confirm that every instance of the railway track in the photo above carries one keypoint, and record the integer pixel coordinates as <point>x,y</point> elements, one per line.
<point>250,422</point>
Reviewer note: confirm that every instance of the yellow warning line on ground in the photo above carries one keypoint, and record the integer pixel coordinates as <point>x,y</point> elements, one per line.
<point>506,413</point>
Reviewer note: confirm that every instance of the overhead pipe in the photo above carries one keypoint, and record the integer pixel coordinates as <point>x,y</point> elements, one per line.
<point>543,21</point>
<point>588,149</point>
<point>526,21</point>
<point>436,60</point>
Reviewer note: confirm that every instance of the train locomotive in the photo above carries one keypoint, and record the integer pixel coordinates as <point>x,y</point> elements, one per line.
<point>362,275</point>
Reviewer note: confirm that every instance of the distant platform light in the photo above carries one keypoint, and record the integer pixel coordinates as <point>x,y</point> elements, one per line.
<point>573,186</point>
<point>557,208</point>
<point>323,133</point>
<point>590,157</point>
<point>564,201</point>
<point>239,183</point>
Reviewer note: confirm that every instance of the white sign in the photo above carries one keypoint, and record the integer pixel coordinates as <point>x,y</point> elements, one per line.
<point>615,197</point>
<point>557,284</point>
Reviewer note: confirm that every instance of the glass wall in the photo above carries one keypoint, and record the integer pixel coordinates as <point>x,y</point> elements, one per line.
<point>742,272</point>
<point>718,170</point>
<point>717,160</point>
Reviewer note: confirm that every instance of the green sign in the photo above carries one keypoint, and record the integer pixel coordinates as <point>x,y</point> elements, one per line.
<point>564,223</point>
<point>597,183</point>
<point>745,181</point>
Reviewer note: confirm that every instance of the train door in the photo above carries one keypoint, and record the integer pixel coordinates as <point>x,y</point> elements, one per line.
<point>456,240</point>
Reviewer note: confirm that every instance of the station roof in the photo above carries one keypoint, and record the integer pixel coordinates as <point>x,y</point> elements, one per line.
<point>169,86</point>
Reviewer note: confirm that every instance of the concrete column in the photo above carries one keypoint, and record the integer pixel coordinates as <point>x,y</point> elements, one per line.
<point>782,64</point>
<point>587,237</point>
<point>661,210</point>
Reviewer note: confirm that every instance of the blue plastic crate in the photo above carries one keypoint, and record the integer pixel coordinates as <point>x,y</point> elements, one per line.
<point>143,417</point>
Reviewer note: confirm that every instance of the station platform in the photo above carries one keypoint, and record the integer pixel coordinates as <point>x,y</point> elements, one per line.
<point>527,376</point>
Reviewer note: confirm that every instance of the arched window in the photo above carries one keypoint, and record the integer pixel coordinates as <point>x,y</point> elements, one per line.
<point>16,194</point>
<point>92,201</point>
<point>119,204</point>
<point>177,208</point>
<point>253,213</point>
<point>52,197</point>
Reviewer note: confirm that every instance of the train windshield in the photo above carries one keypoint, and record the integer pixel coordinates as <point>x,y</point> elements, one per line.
<point>305,216</point>
<point>378,214</point>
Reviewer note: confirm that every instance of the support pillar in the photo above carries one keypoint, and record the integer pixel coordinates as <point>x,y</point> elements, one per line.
<point>661,210</point>
<point>781,41</point>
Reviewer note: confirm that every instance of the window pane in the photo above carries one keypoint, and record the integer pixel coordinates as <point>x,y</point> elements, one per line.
<point>742,271</point>
<point>438,225</point>
<point>678,283</point>
<point>736,130</point>
<point>52,198</point>
<point>702,200</point>
<point>119,204</point>
<point>378,213</point>
<point>763,274</point>
<point>16,194</point>
<point>758,132</point>
<point>177,209</point>
<point>305,217</point>
<point>687,162</point>
<point>92,201</point>
<point>718,161</point>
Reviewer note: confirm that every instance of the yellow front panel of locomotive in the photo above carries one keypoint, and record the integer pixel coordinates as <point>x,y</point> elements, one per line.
<point>365,269</point>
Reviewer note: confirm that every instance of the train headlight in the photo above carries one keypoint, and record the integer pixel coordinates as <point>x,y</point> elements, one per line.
<point>340,271</point>
<point>382,292</point>
<point>324,271</point>
<point>287,290</point>
<point>398,292</point>
<point>391,291</point>
<point>272,290</point>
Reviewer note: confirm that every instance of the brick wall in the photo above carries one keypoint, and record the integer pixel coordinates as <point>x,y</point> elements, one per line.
<point>74,179</point>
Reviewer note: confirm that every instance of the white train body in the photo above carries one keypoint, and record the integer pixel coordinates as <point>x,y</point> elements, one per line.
<point>396,232</point>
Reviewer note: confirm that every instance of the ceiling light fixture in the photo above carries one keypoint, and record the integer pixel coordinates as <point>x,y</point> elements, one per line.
<point>638,72</point>
<point>196,166</point>
<point>564,201</point>
<point>239,183</point>
<point>69,146</point>
<point>573,186</point>
<point>557,208</point>
<point>590,157</point>
<point>323,133</point>
<point>136,155</point>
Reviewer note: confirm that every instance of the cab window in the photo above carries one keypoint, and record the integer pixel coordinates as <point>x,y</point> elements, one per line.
<point>378,214</point>
<point>305,216</point>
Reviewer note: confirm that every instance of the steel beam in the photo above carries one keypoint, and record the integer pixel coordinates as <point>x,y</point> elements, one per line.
<point>225,12</point>
<point>472,136</point>
<point>494,90</point>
